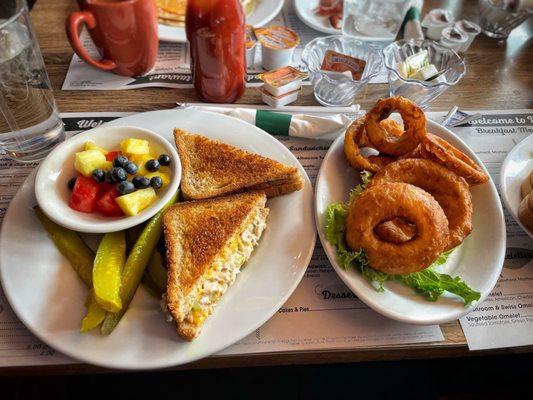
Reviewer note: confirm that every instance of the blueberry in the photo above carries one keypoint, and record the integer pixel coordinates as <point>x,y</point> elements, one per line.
<point>141,182</point>
<point>131,168</point>
<point>164,160</point>
<point>99,175</point>
<point>71,183</point>
<point>156,182</point>
<point>118,174</point>
<point>120,161</point>
<point>152,165</point>
<point>125,187</point>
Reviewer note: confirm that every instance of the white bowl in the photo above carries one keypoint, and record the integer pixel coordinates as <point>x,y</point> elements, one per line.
<point>515,169</point>
<point>55,171</point>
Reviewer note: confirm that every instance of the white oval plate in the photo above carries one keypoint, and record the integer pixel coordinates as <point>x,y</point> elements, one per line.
<point>305,11</point>
<point>478,261</point>
<point>48,297</point>
<point>517,166</point>
<point>264,12</point>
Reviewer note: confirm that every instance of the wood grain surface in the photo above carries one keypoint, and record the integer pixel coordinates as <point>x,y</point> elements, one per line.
<point>499,76</point>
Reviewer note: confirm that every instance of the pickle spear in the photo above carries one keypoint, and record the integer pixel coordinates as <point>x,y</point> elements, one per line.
<point>135,265</point>
<point>108,265</point>
<point>157,272</point>
<point>151,286</point>
<point>95,314</point>
<point>70,245</point>
<point>132,234</point>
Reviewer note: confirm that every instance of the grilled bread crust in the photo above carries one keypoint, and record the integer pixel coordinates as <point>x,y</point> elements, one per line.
<point>196,232</point>
<point>211,168</point>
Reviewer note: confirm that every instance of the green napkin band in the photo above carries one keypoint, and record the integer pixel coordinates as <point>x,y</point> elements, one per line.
<point>272,122</point>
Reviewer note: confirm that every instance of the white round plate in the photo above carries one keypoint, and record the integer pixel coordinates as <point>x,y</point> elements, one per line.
<point>48,297</point>
<point>478,261</point>
<point>264,12</point>
<point>515,169</point>
<point>305,11</point>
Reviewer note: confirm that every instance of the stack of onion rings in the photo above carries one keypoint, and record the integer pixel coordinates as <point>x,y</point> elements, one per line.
<point>386,220</point>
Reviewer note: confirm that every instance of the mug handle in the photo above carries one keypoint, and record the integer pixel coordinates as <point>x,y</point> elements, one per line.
<point>74,20</point>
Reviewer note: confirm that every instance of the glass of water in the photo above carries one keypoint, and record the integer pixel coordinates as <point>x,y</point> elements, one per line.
<point>30,126</point>
<point>497,18</point>
<point>374,20</point>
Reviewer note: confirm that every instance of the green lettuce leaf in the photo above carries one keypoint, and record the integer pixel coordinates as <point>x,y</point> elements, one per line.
<point>336,214</point>
<point>428,282</point>
<point>434,284</point>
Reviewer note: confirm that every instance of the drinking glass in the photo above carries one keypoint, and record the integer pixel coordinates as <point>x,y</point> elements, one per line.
<point>497,18</point>
<point>374,20</point>
<point>30,126</point>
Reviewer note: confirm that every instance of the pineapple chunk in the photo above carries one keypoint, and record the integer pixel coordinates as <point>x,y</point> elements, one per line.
<point>133,203</point>
<point>140,160</point>
<point>107,166</point>
<point>85,162</point>
<point>130,147</point>
<point>163,175</point>
<point>90,145</point>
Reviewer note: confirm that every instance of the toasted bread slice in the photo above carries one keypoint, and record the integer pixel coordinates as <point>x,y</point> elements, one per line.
<point>212,169</point>
<point>207,242</point>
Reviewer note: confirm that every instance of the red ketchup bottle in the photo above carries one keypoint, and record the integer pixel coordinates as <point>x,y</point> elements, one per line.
<point>216,34</point>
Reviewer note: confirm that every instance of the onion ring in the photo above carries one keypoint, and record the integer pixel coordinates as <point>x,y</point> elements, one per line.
<point>439,150</point>
<point>354,140</point>
<point>392,126</point>
<point>397,200</point>
<point>396,231</point>
<point>450,190</point>
<point>414,122</point>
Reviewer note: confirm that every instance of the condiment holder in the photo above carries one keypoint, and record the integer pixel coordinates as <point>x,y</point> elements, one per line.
<point>335,88</point>
<point>450,66</point>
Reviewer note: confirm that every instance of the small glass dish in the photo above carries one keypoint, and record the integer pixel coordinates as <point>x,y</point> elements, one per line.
<point>334,91</point>
<point>450,65</point>
<point>497,18</point>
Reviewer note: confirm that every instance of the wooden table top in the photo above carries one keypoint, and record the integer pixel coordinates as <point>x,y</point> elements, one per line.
<point>499,76</point>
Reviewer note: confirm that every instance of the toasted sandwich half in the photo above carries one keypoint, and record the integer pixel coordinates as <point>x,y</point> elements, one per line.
<point>207,242</point>
<point>212,169</point>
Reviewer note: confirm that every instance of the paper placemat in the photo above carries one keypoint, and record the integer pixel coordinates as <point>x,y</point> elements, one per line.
<point>322,313</point>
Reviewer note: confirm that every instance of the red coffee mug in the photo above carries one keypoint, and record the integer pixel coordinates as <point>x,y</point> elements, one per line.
<point>124,31</point>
